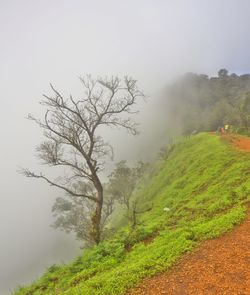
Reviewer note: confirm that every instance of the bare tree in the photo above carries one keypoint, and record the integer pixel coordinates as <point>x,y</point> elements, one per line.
<point>72,128</point>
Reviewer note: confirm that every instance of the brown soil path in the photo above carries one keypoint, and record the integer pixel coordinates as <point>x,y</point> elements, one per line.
<point>240,142</point>
<point>217,267</point>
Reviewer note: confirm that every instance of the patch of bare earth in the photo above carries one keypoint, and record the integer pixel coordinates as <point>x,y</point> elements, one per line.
<point>239,142</point>
<point>217,267</point>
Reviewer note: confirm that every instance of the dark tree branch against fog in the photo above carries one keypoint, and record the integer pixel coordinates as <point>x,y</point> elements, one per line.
<point>72,128</point>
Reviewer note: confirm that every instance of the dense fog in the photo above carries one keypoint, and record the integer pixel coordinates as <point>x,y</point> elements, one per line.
<point>55,42</point>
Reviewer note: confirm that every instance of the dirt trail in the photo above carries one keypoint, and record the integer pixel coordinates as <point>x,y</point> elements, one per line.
<point>240,142</point>
<point>217,267</point>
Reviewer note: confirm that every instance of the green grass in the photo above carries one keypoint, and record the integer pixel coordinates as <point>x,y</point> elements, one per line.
<point>205,184</point>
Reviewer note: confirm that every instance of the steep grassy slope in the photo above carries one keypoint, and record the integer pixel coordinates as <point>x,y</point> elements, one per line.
<point>205,185</point>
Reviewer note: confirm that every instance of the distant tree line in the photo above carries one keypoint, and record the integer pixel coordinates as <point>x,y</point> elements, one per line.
<point>202,103</point>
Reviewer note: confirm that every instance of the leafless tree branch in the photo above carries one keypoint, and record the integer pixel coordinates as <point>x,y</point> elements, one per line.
<point>71,128</point>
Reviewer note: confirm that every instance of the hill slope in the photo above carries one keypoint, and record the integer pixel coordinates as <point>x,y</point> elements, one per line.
<point>217,266</point>
<point>203,184</point>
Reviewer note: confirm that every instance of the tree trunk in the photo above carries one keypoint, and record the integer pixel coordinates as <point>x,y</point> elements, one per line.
<point>126,201</point>
<point>96,219</point>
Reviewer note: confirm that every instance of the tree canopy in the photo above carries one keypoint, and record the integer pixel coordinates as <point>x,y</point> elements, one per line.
<point>199,103</point>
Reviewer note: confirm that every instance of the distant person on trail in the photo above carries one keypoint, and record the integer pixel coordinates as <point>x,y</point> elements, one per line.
<point>221,130</point>
<point>226,128</point>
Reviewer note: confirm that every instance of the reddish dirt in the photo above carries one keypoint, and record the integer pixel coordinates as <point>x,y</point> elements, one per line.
<point>217,267</point>
<point>240,142</point>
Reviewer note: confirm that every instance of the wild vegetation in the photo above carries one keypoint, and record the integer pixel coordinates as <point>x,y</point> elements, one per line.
<point>201,103</point>
<point>72,214</point>
<point>197,190</point>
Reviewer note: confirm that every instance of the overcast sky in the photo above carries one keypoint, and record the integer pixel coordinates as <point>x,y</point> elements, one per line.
<point>56,41</point>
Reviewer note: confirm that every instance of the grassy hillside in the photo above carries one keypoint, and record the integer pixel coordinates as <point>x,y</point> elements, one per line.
<point>205,185</point>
